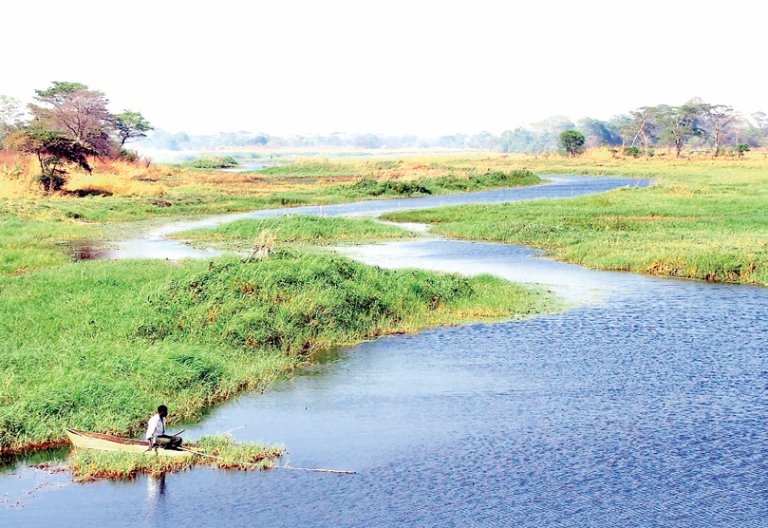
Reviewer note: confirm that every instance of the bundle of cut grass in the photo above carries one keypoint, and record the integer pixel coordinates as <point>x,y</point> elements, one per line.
<point>220,451</point>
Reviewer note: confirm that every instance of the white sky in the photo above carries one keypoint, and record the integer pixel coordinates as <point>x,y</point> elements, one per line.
<point>423,67</point>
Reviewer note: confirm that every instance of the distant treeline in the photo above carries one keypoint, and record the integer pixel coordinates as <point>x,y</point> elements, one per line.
<point>696,125</point>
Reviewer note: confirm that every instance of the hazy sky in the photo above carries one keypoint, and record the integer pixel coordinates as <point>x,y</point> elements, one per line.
<point>423,67</point>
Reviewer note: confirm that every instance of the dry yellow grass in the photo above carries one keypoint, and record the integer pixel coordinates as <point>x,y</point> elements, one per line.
<point>122,178</point>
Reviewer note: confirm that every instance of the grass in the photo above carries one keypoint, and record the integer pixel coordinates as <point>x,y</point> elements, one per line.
<point>96,345</point>
<point>704,219</point>
<point>295,229</point>
<point>88,465</point>
<point>211,163</point>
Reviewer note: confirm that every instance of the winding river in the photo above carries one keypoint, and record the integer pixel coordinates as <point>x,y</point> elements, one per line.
<point>644,405</point>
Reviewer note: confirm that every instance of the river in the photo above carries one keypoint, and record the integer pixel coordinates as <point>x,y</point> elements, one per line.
<point>644,405</point>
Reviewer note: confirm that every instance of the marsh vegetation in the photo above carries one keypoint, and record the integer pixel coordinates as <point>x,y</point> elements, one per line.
<point>702,220</point>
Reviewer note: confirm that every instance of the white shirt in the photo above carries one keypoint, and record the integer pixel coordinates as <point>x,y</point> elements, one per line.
<point>155,428</point>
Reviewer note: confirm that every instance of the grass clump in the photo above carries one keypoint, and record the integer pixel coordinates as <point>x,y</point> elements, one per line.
<point>296,229</point>
<point>212,162</point>
<point>95,345</point>
<point>89,465</point>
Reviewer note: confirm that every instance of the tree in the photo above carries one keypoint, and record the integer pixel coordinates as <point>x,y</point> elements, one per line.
<point>131,125</point>
<point>642,125</point>
<point>53,150</point>
<point>762,120</point>
<point>597,132</point>
<point>718,120</point>
<point>572,141</point>
<point>741,149</point>
<point>77,112</point>
<point>678,124</point>
<point>505,141</point>
<point>10,115</point>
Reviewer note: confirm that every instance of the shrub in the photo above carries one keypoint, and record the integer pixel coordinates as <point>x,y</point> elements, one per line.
<point>634,152</point>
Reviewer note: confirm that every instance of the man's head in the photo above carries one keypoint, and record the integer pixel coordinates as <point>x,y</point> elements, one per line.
<point>162,411</point>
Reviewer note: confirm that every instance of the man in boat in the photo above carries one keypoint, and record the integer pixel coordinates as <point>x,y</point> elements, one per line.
<point>156,431</point>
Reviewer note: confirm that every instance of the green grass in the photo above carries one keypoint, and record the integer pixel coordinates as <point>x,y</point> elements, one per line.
<point>98,345</point>
<point>87,465</point>
<point>295,229</point>
<point>702,222</point>
<point>210,162</point>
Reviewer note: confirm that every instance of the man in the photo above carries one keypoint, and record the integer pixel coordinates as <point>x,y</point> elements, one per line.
<point>156,431</point>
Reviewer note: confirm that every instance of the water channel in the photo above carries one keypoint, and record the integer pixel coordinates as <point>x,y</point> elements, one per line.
<point>645,405</point>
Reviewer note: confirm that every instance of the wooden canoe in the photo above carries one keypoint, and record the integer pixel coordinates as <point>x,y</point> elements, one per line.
<point>104,442</point>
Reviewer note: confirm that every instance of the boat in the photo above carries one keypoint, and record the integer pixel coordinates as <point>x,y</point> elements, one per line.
<point>105,442</point>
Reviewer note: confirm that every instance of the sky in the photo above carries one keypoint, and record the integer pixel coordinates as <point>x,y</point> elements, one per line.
<point>422,67</point>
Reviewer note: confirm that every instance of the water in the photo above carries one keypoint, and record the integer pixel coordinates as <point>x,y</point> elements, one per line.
<point>247,167</point>
<point>643,407</point>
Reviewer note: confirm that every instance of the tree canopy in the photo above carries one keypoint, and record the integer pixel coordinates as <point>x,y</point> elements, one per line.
<point>572,141</point>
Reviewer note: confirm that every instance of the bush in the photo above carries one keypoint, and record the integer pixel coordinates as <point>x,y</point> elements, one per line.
<point>52,182</point>
<point>635,152</point>
<point>741,149</point>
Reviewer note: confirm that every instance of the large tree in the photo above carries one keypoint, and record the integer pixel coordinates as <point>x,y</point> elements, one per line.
<point>11,115</point>
<point>677,124</point>
<point>642,126</point>
<point>718,121</point>
<point>76,112</point>
<point>572,141</point>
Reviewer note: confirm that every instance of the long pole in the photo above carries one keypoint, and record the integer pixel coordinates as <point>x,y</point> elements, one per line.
<point>279,467</point>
